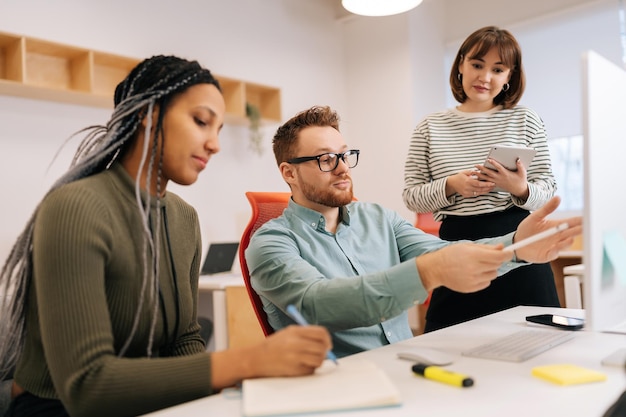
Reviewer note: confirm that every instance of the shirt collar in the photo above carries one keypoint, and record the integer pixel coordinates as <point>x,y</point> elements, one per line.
<point>314,218</point>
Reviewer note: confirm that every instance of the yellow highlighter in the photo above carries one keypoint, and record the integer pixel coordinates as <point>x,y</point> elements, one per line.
<point>442,375</point>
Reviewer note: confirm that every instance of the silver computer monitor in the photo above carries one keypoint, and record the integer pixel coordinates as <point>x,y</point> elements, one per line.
<point>604,211</point>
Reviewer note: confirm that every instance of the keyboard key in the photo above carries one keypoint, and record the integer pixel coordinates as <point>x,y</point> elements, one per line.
<point>520,346</point>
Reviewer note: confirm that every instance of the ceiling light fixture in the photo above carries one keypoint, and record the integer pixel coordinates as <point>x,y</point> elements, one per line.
<point>379,7</point>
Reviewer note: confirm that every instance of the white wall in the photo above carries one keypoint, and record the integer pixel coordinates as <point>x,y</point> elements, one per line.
<point>379,103</point>
<point>289,44</point>
<point>382,75</point>
<point>395,76</point>
<point>552,46</point>
<point>555,73</point>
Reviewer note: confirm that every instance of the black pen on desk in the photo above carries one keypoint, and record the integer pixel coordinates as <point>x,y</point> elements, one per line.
<point>442,375</point>
<point>295,314</point>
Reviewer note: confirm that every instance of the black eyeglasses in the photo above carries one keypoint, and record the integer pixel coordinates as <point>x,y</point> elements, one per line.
<point>329,161</point>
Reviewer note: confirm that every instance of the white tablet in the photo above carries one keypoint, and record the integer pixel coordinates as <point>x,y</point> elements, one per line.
<point>508,155</point>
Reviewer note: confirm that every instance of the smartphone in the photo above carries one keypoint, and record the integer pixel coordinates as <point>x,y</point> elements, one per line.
<point>562,322</point>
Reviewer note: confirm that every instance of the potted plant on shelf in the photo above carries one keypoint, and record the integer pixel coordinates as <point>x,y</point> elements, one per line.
<point>256,137</point>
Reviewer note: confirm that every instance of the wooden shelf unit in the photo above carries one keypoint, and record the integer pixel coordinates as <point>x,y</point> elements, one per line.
<point>44,70</point>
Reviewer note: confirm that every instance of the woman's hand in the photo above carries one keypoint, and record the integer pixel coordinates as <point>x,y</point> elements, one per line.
<point>468,184</point>
<point>514,182</point>
<point>295,350</point>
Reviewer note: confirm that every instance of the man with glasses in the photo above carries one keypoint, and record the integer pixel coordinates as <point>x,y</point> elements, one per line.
<point>357,267</point>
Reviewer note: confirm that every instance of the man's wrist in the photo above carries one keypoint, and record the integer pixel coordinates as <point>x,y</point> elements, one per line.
<point>516,259</point>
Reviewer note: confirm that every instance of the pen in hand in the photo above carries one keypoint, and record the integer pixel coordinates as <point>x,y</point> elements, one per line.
<point>297,317</point>
<point>534,238</point>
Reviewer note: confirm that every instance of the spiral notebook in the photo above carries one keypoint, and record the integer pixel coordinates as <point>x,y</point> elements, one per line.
<point>351,385</point>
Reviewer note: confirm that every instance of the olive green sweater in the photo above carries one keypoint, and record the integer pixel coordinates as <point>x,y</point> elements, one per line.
<point>87,278</point>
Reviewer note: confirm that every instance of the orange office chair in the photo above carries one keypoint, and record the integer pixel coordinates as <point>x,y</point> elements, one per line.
<point>427,223</point>
<point>265,206</point>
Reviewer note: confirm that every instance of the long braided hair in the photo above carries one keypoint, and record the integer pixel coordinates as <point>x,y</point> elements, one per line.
<point>150,85</point>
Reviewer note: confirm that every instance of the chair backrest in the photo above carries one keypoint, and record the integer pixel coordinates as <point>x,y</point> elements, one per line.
<point>427,223</point>
<point>265,206</point>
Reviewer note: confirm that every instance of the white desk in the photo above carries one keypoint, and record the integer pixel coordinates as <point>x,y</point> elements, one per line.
<point>501,388</point>
<point>216,285</point>
<point>565,259</point>
<point>572,280</point>
<point>578,269</point>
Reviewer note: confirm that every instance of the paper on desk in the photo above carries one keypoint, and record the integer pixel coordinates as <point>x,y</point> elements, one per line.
<point>614,249</point>
<point>567,374</point>
<point>351,385</point>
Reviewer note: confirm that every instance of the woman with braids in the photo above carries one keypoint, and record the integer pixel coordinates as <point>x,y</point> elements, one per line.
<point>100,319</point>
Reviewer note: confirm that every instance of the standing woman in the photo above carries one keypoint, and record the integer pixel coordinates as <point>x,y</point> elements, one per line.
<point>101,316</point>
<point>444,173</point>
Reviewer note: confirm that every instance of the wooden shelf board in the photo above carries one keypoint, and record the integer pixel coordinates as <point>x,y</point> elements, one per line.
<point>35,92</point>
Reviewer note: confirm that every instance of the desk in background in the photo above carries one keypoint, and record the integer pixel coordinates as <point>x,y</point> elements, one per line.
<point>565,259</point>
<point>573,281</point>
<point>501,388</point>
<point>224,299</point>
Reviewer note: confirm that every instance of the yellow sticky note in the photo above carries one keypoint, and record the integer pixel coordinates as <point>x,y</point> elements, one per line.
<point>566,374</point>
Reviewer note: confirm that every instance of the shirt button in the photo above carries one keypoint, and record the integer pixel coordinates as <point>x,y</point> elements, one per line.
<point>388,334</point>
<point>313,224</point>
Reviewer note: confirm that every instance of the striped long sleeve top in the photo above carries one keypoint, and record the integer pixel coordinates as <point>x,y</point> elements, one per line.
<point>451,141</point>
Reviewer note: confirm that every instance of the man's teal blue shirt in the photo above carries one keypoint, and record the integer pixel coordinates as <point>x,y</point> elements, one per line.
<point>358,282</point>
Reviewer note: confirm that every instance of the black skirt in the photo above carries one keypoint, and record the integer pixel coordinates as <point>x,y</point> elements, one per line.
<point>531,285</point>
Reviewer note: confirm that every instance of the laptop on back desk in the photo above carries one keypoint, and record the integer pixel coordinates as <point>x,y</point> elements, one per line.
<point>219,258</point>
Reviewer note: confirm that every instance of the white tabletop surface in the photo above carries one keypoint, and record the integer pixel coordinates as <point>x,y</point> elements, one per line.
<point>571,254</point>
<point>578,269</point>
<point>220,281</point>
<point>500,389</point>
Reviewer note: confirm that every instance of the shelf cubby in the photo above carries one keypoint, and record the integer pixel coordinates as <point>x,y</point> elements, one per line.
<point>50,65</point>
<point>108,71</point>
<point>11,57</point>
<point>235,97</point>
<point>238,93</point>
<point>266,99</point>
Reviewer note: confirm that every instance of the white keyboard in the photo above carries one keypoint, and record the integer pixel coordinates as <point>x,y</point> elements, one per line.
<point>520,346</point>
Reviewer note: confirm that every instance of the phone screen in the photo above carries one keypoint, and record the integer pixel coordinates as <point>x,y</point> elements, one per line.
<point>567,321</point>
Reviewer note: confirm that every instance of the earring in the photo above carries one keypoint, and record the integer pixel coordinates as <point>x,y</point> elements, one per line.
<point>505,87</point>
<point>459,76</point>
